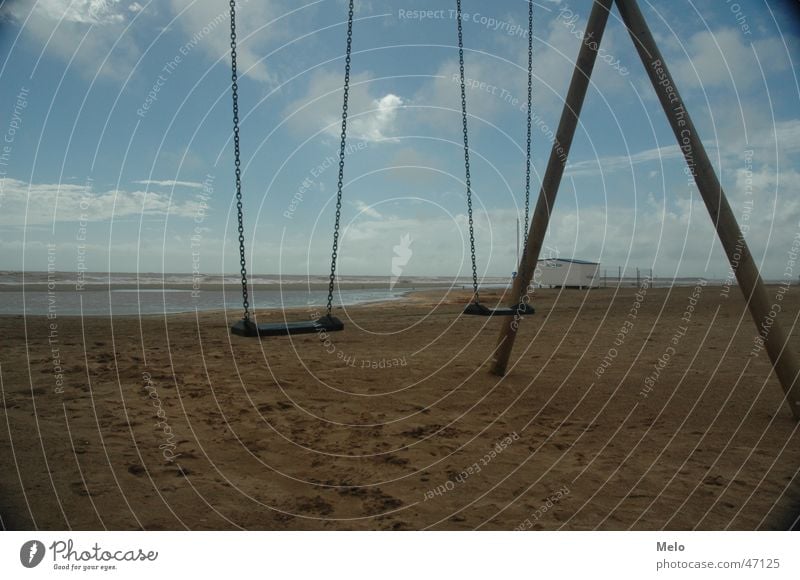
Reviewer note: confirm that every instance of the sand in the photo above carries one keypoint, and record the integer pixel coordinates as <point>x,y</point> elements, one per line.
<point>172,423</point>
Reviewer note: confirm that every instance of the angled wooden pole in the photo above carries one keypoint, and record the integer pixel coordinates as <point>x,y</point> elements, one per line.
<point>784,360</point>
<point>552,178</point>
<point>771,334</point>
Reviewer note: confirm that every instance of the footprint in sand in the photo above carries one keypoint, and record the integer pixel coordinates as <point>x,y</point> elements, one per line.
<point>137,470</point>
<point>314,506</point>
<point>78,488</point>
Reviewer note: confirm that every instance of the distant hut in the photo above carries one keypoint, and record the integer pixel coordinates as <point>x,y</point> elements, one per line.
<point>567,273</point>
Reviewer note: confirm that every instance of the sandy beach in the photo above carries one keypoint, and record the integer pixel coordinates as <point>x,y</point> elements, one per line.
<point>171,423</point>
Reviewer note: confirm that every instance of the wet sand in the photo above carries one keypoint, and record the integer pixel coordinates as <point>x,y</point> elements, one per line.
<point>169,422</point>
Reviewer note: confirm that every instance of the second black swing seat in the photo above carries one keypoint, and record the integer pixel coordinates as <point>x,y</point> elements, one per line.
<point>478,309</point>
<point>326,323</point>
<point>475,308</point>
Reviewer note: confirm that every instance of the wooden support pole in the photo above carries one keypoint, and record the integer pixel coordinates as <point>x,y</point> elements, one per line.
<point>552,178</point>
<point>771,334</point>
<point>784,360</point>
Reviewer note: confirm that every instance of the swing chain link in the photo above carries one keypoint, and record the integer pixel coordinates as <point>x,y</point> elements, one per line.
<point>530,107</point>
<point>468,179</point>
<point>238,163</point>
<point>342,153</point>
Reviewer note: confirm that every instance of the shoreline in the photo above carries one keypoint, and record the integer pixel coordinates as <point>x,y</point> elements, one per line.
<point>212,287</point>
<point>409,297</point>
<point>416,296</point>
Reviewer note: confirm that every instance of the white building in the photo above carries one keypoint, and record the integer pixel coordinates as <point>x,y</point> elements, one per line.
<point>567,273</point>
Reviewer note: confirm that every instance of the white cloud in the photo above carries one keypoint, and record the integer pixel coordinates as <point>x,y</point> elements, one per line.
<point>378,125</point>
<point>173,254</point>
<point>90,33</point>
<point>725,57</point>
<point>366,209</point>
<point>44,203</point>
<point>61,25</point>
<point>783,136</point>
<point>371,118</point>
<point>622,162</point>
<point>207,22</point>
<point>169,183</point>
<point>764,140</point>
<point>83,11</point>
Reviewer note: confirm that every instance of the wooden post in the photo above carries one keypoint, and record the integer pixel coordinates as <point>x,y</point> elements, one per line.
<point>552,178</point>
<point>784,360</point>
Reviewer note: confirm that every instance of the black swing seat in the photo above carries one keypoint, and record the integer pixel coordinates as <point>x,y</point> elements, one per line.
<point>478,309</point>
<point>251,329</point>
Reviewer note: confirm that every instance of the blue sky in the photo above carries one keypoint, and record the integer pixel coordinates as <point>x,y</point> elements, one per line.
<point>118,180</point>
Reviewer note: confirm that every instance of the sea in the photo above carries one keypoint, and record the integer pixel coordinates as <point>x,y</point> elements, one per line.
<point>142,294</point>
<point>126,294</point>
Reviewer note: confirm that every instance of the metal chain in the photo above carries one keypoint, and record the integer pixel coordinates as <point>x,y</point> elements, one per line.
<point>530,107</point>
<point>238,162</point>
<point>468,178</point>
<point>342,146</point>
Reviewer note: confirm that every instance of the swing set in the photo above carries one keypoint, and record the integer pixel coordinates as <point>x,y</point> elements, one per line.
<point>784,360</point>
